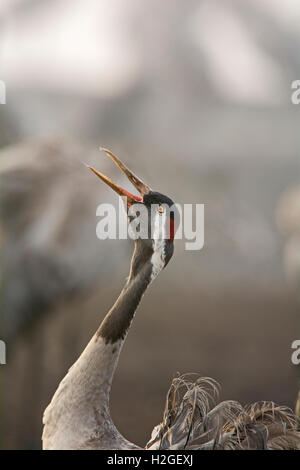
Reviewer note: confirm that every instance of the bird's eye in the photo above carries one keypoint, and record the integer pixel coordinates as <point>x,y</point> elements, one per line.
<point>161,210</point>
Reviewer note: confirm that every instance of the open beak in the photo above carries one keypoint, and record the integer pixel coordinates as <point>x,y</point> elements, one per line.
<point>137,183</point>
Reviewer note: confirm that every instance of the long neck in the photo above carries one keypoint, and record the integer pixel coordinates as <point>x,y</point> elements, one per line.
<point>116,323</point>
<point>107,343</point>
<point>80,407</point>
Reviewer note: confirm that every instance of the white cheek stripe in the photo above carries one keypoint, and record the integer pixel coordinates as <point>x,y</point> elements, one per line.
<point>158,258</point>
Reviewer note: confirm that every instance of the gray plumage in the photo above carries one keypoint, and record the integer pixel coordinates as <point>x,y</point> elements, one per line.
<point>193,420</point>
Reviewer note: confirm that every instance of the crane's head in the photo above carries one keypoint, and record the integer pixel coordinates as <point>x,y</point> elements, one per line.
<point>153,216</point>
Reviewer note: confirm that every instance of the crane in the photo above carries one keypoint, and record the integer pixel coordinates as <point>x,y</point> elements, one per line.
<point>78,416</point>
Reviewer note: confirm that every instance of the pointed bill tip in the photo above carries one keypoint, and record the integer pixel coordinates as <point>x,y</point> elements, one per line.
<point>131,198</point>
<point>137,182</point>
<point>85,164</point>
<point>103,149</point>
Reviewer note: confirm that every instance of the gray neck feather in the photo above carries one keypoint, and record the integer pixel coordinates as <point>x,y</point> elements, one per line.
<point>78,416</point>
<point>117,321</point>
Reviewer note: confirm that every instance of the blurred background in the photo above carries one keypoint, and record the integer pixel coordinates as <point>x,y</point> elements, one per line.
<point>196,98</point>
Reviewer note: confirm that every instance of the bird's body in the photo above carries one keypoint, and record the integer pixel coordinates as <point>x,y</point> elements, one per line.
<point>78,416</point>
